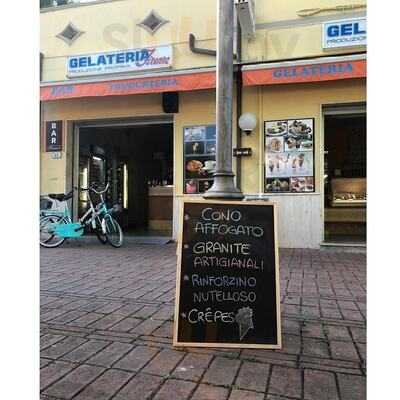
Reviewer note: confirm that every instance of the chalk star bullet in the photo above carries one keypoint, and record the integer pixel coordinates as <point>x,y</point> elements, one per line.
<point>183,315</point>
<point>187,217</point>
<point>186,246</point>
<point>186,278</point>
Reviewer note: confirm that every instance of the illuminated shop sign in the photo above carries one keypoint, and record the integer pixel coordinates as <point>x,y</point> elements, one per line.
<point>345,33</point>
<point>135,60</point>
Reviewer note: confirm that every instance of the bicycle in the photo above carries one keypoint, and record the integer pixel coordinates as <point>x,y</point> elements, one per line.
<point>57,226</point>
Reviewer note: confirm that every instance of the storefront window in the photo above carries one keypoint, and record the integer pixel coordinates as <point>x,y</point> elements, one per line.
<point>199,158</point>
<point>289,156</point>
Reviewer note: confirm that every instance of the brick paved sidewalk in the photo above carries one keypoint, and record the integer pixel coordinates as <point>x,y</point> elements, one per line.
<point>106,317</point>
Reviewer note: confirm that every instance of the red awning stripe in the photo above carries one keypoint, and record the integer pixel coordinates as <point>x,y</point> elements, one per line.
<point>306,73</point>
<point>171,83</point>
<point>207,80</point>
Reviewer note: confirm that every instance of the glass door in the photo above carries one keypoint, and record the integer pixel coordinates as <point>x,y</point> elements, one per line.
<point>345,178</point>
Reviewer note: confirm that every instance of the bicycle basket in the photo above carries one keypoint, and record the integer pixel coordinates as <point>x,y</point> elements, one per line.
<point>45,203</point>
<point>49,206</point>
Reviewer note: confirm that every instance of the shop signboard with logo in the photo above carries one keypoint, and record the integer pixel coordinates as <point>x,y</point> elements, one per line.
<point>344,33</point>
<point>53,136</point>
<point>134,60</point>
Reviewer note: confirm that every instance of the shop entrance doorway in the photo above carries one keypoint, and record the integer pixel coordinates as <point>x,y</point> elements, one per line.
<point>136,159</point>
<point>345,175</point>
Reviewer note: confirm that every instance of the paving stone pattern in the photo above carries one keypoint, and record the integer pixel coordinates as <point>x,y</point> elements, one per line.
<point>107,319</point>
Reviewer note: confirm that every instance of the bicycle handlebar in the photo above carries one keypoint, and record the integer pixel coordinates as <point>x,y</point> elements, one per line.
<point>100,191</point>
<point>91,188</point>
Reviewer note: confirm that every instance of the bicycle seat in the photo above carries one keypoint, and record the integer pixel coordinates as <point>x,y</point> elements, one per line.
<point>61,196</point>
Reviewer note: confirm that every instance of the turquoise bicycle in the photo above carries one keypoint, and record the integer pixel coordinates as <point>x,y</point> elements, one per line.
<point>57,226</point>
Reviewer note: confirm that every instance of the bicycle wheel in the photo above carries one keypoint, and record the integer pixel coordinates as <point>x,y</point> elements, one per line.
<point>99,232</point>
<point>47,236</point>
<point>113,231</point>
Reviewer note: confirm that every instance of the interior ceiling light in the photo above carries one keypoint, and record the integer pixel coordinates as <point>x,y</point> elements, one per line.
<point>70,33</point>
<point>153,22</point>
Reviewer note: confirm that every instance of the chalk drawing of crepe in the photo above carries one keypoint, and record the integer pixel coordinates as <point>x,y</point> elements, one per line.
<point>244,318</point>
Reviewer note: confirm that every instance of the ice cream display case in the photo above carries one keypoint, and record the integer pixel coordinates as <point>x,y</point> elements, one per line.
<point>349,192</point>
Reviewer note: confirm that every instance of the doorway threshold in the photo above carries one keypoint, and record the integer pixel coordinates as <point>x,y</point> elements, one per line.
<point>359,248</point>
<point>358,245</point>
<point>157,240</point>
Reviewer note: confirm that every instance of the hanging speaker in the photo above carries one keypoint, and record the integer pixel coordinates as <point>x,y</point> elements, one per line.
<point>170,102</point>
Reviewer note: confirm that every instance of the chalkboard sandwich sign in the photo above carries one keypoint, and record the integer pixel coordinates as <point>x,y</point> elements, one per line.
<point>227,284</point>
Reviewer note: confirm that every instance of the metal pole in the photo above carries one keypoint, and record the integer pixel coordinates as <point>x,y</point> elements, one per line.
<point>224,184</point>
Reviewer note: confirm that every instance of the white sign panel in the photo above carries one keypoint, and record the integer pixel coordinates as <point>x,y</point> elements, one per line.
<point>345,33</point>
<point>134,60</point>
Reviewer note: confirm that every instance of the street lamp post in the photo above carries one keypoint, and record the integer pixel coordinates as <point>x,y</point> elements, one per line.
<point>224,184</point>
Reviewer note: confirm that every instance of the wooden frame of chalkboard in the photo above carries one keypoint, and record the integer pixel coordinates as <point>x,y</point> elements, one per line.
<point>275,283</point>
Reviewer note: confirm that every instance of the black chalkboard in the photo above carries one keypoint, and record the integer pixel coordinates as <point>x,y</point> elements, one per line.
<point>227,289</point>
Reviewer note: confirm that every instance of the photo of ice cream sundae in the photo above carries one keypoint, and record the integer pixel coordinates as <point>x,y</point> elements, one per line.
<point>276,128</point>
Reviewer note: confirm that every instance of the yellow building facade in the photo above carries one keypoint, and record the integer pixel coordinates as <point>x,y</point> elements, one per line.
<point>118,76</point>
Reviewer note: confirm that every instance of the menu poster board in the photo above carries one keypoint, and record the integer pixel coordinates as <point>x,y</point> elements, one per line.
<point>199,158</point>
<point>289,155</point>
<point>227,284</point>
